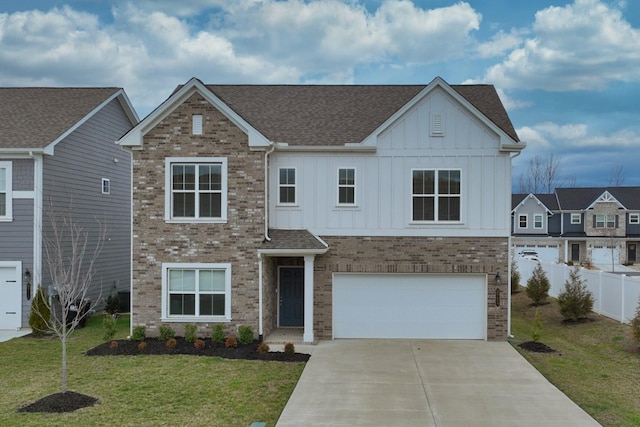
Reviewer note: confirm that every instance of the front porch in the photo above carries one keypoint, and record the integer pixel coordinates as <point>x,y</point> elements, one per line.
<point>281,336</point>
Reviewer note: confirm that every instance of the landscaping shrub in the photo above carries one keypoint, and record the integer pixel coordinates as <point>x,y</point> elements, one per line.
<point>231,342</point>
<point>199,344</point>
<point>217,334</point>
<point>245,334</point>
<point>109,326</point>
<point>289,349</point>
<point>635,324</point>
<point>166,332</point>
<point>575,301</point>
<point>538,286</point>
<point>139,333</point>
<point>190,332</point>
<point>171,343</point>
<point>112,304</point>
<point>263,348</point>
<point>39,312</point>
<point>515,277</point>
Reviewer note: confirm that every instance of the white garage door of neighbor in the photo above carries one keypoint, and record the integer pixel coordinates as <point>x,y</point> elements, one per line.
<point>602,255</point>
<point>10,296</point>
<point>416,306</point>
<point>545,253</point>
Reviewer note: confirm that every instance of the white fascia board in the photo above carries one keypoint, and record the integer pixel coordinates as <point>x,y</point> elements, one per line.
<point>131,113</point>
<point>135,136</point>
<point>326,148</point>
<point>291,252</point>
<point>19,153</point>
<point>532,196</point>
<point>606,197</point>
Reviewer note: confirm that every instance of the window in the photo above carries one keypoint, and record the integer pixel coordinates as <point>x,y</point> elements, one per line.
<point>634,218</point>
<point>196,189</point>
<point>537,221</point>
<point>106,186</point>
<point>196,291</point>
<point>605,221</point>
<point>196,124</point>
<point>6,197</point>
<point>576,218</point>
<point>287,186</point>
<point>522,221</point>
<point>346,186</point>
<point>435,195</point>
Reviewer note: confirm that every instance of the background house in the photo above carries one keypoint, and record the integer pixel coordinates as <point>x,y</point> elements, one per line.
<point>58,156</point>
<point>345,211</point>
<point>600,225</point>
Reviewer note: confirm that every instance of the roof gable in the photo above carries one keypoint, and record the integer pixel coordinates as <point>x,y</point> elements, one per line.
<point>544,200</point>
<point>575,199</point>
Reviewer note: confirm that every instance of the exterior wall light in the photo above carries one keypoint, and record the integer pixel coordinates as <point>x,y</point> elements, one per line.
<point>27,282</point>
<point>498,281</point>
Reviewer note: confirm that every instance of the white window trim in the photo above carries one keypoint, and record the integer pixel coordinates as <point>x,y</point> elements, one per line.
<point>8,167</point>
<point>576,218</point>
<point>108,182</point>
<point>634,218</point>
<point>541,221</point>
<point>166,266</point>
<point>295,186</point>
<point>354,186</point>
<point>168,161</point>
<point>606,221</point>
<point>436,197</point>
<point>196,124</point>
<point>526,220</point>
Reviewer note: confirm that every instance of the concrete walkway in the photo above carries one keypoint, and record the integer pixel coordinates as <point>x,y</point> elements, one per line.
<point>425,383</point>
<point>6,335</point>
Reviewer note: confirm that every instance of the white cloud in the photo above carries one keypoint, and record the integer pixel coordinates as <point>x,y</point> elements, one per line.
<point>552,135</point>
<point>510,103</point>
<point>582,46</point>
<point>500,43</point>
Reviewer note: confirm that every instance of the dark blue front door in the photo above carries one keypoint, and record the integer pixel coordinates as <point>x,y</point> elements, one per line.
<point>292,296</point>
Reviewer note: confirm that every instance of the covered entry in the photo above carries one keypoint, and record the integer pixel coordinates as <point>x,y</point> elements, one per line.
<point>414,306</point>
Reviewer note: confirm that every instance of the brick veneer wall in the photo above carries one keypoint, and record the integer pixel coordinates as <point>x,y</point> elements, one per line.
<point>235,242</point>
<point>605,208</point>
<point>413,255</point>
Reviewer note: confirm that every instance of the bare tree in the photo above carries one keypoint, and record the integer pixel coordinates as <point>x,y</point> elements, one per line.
<point>617,176</point>
<point>543,176</point>
<point>69,254</point>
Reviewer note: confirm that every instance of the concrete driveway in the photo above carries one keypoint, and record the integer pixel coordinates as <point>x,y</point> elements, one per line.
<point>425,383</point>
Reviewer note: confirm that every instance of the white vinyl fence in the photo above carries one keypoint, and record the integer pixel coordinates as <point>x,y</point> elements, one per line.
<point>615,295</point>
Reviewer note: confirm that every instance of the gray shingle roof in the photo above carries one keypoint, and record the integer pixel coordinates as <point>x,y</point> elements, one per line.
<point>338,114</point>
<point>34,117</point>
<point>549,200</point>
<point>284,239</point>
<point>583,197</point>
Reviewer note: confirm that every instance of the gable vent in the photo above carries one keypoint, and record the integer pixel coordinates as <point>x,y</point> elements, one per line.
<point>437,125</point>
<point>196,122</point>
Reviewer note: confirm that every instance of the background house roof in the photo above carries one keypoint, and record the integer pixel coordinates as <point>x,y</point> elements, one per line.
<point>338,114</point>
<point>289,239</point>
<point>549,200</point>
<point>35,117</point>
<point>582,198</point>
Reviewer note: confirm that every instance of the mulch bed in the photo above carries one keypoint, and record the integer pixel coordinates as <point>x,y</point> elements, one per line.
<point>536,347</point>
<point>60,402</point>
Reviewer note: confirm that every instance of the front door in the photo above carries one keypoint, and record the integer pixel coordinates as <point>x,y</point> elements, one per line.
<point>575,252</point>
<point>631,252</point>
<point>291,296</point>
<point>10,298</point>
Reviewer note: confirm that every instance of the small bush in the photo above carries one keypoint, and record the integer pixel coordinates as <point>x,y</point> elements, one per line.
<point>289,349</point>
<point>40,313</point>
<point>217,334</point>
<point>538,286</point>
<point>113,344</point>
<point>245,334</point>
<point>537,327</point>
<point>199,344</point>
<point>635,325</point>
<point>139,333</point>
<point>109,326</point>
<point>171,343</point>
<point>112,304</point>
<point>515,277</point>
<point>190,332</point>
<point>263,348</point>
<point>231,342</point>
<point>142,345</point>
<point>165,332</point>
<point>575,301</point>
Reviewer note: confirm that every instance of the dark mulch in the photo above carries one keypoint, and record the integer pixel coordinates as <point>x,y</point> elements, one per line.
<point>536,347</point>
<point>60,402</point>
<point>156,346</point>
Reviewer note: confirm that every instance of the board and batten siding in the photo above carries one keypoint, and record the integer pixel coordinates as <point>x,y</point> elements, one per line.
<point>383,178</point>
<point>73,186</point>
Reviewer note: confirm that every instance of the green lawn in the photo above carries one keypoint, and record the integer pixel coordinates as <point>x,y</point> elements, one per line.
<point>141,390</point>
<point>596,364</point>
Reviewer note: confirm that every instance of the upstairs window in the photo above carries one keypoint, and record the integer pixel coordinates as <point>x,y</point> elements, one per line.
<point>537,221</point>
<point>106,186</point>
<point>287,186</point>
<point>576,218</point>
<point>522,221</point>
<point>634,218</point>
<point>435,195</point>
<point>197,189</point>
<point>346,186</point>
<point>5,191</point>
<point>605,221</point>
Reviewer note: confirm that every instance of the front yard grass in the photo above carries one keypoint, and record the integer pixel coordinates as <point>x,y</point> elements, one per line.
<point>596,363</point>
<point>140,390</point>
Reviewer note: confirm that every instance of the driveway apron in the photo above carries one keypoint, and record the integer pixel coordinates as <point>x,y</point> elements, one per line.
<point>425,383</point>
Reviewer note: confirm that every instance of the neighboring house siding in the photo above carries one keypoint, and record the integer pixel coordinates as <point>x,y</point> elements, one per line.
<point>572,228</point>
<point>632,229</point>
<point>607,209</point>
<point>235,241</point>
<point>530,208</point>
<point>383,179</point>
<point>22,175</point>
<point>554,224</point>
<point>73,185</point>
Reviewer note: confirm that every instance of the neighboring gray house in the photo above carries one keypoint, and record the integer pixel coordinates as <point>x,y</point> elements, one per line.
<point>58,154</point>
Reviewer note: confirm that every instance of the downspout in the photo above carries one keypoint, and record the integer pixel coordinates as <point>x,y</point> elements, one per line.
<point>509,267</point>
<point>260,327</point>
<point>266,194</point>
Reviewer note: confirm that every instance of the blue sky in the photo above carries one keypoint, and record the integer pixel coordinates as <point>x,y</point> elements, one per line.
<point>568,72</point>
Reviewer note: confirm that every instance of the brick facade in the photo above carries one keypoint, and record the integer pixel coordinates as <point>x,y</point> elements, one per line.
<point>605,208</point>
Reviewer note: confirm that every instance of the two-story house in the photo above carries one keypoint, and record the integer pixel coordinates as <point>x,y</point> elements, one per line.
<point>59,160</point>
<point>345,211</point>
<point>600,225</point>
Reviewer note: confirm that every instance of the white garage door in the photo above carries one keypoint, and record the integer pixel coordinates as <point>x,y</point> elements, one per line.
<point>602,255</point>
<point>432,306</point>
<point>10,296</point>
<point>546,253</point>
